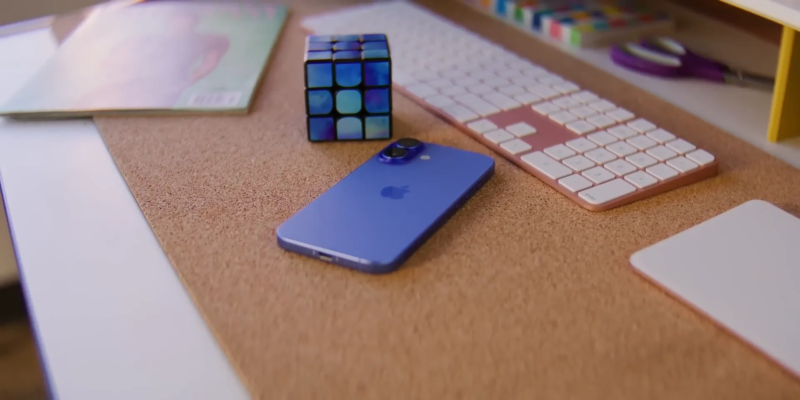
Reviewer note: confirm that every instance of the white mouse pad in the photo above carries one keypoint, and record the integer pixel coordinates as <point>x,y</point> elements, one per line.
<point>742,269</point>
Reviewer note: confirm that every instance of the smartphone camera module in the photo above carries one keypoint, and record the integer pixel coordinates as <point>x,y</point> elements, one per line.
<point>401,151</point>
<point>394,153</point>
<point>408,143</point>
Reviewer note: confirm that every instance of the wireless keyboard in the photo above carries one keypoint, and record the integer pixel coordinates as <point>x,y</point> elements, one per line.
<point>598,154</point>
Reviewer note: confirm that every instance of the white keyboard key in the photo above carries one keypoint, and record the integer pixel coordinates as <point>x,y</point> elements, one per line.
<point>583,111</point>
<point>661,153</point>
<point>641,179</point>
<point>602,138</point>
<point>581,127</point>
<point>642,125</point>
<point>521,129</point>
<point>606,192</point>
<point>546,108</point>
<point>460,113</point>
<point>620,114</point>
<point>482,126</point>
<point>598,174</point>
<point>585,96</point>
<point>497,82</point>
<point>521,64</point>
<point>511,90</point>
<point>453,90</point>
<point>527,98</point>
<point>622,132</point>
<point>559,152</point>
<point>440,83</point>
<point>468,69</point>
<point>515,146</point>
<point>601,121</point>
<point>535,71</point>
<point>466,82</point>
<point>701,157</point>
<point>509,73</point>
<point>602,105</point>
<point>642,142</point>
<point>566,102</point>
<point>480,89</point>
<point>621,149</point>
<point>526,66</point>
<point>546,165</point>
<point>524,81</point>
<point>581,145</point>
<point>550,79</point>
<point>401,78</point>
<point>453,74</point>
<point>578,163</point>
<point>543,91</point>
<point>682,164</point>
<point>497,66</point>
<point>501,101</point>
<point>439,101</point>
<point>641,160</point>
<point>563,117</point>
<point>566,87</point>
<point>575,183</point>
<point>477,104</point>
<point>620,167</point>
<point>425,75</point>
<point>483,75</point>
<point>421,90</point>
<point>680,146</point>
<point>661,136</point>
<point>498,136</point>
<point>662,172</point>
<point>600,156</point>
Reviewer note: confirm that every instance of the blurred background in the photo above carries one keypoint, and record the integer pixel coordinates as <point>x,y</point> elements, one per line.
<point>19,10</point>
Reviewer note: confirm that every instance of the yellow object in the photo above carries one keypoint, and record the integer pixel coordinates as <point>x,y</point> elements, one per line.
<point>784,121</point>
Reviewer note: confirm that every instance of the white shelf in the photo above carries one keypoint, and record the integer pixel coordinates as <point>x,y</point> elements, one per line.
<point>785,12</point>
<point>742,112</point>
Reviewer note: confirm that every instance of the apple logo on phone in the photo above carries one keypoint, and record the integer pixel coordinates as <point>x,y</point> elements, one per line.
<point>394,192</point>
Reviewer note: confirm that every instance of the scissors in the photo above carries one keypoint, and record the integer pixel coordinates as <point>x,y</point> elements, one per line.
<point>669,58</point>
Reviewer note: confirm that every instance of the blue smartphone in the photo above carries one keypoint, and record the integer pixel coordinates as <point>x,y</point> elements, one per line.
<point>378,215</point>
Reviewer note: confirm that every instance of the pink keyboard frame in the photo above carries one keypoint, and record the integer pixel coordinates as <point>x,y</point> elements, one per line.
<point>550,133</point>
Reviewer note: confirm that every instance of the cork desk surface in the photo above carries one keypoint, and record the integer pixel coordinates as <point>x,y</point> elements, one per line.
<point>522,294</point>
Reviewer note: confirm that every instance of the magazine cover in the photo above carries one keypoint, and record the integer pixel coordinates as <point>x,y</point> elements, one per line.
<point>156,57</point>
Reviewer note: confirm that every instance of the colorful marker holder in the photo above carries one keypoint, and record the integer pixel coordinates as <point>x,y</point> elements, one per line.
<point>582,23</point>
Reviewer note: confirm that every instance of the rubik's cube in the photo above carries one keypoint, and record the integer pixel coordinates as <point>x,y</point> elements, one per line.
<point>348,87</point>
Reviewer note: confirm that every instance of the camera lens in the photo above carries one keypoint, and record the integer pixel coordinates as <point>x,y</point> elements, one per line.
<point>394,152</point>
<point>408,143</point>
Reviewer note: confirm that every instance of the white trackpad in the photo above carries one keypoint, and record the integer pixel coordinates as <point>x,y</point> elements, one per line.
<point>741,268</point>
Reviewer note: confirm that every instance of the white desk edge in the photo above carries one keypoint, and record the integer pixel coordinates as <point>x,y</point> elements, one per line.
<point>111,317</point>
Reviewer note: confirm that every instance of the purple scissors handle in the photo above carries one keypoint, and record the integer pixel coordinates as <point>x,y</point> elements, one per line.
<point>668,58</point>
